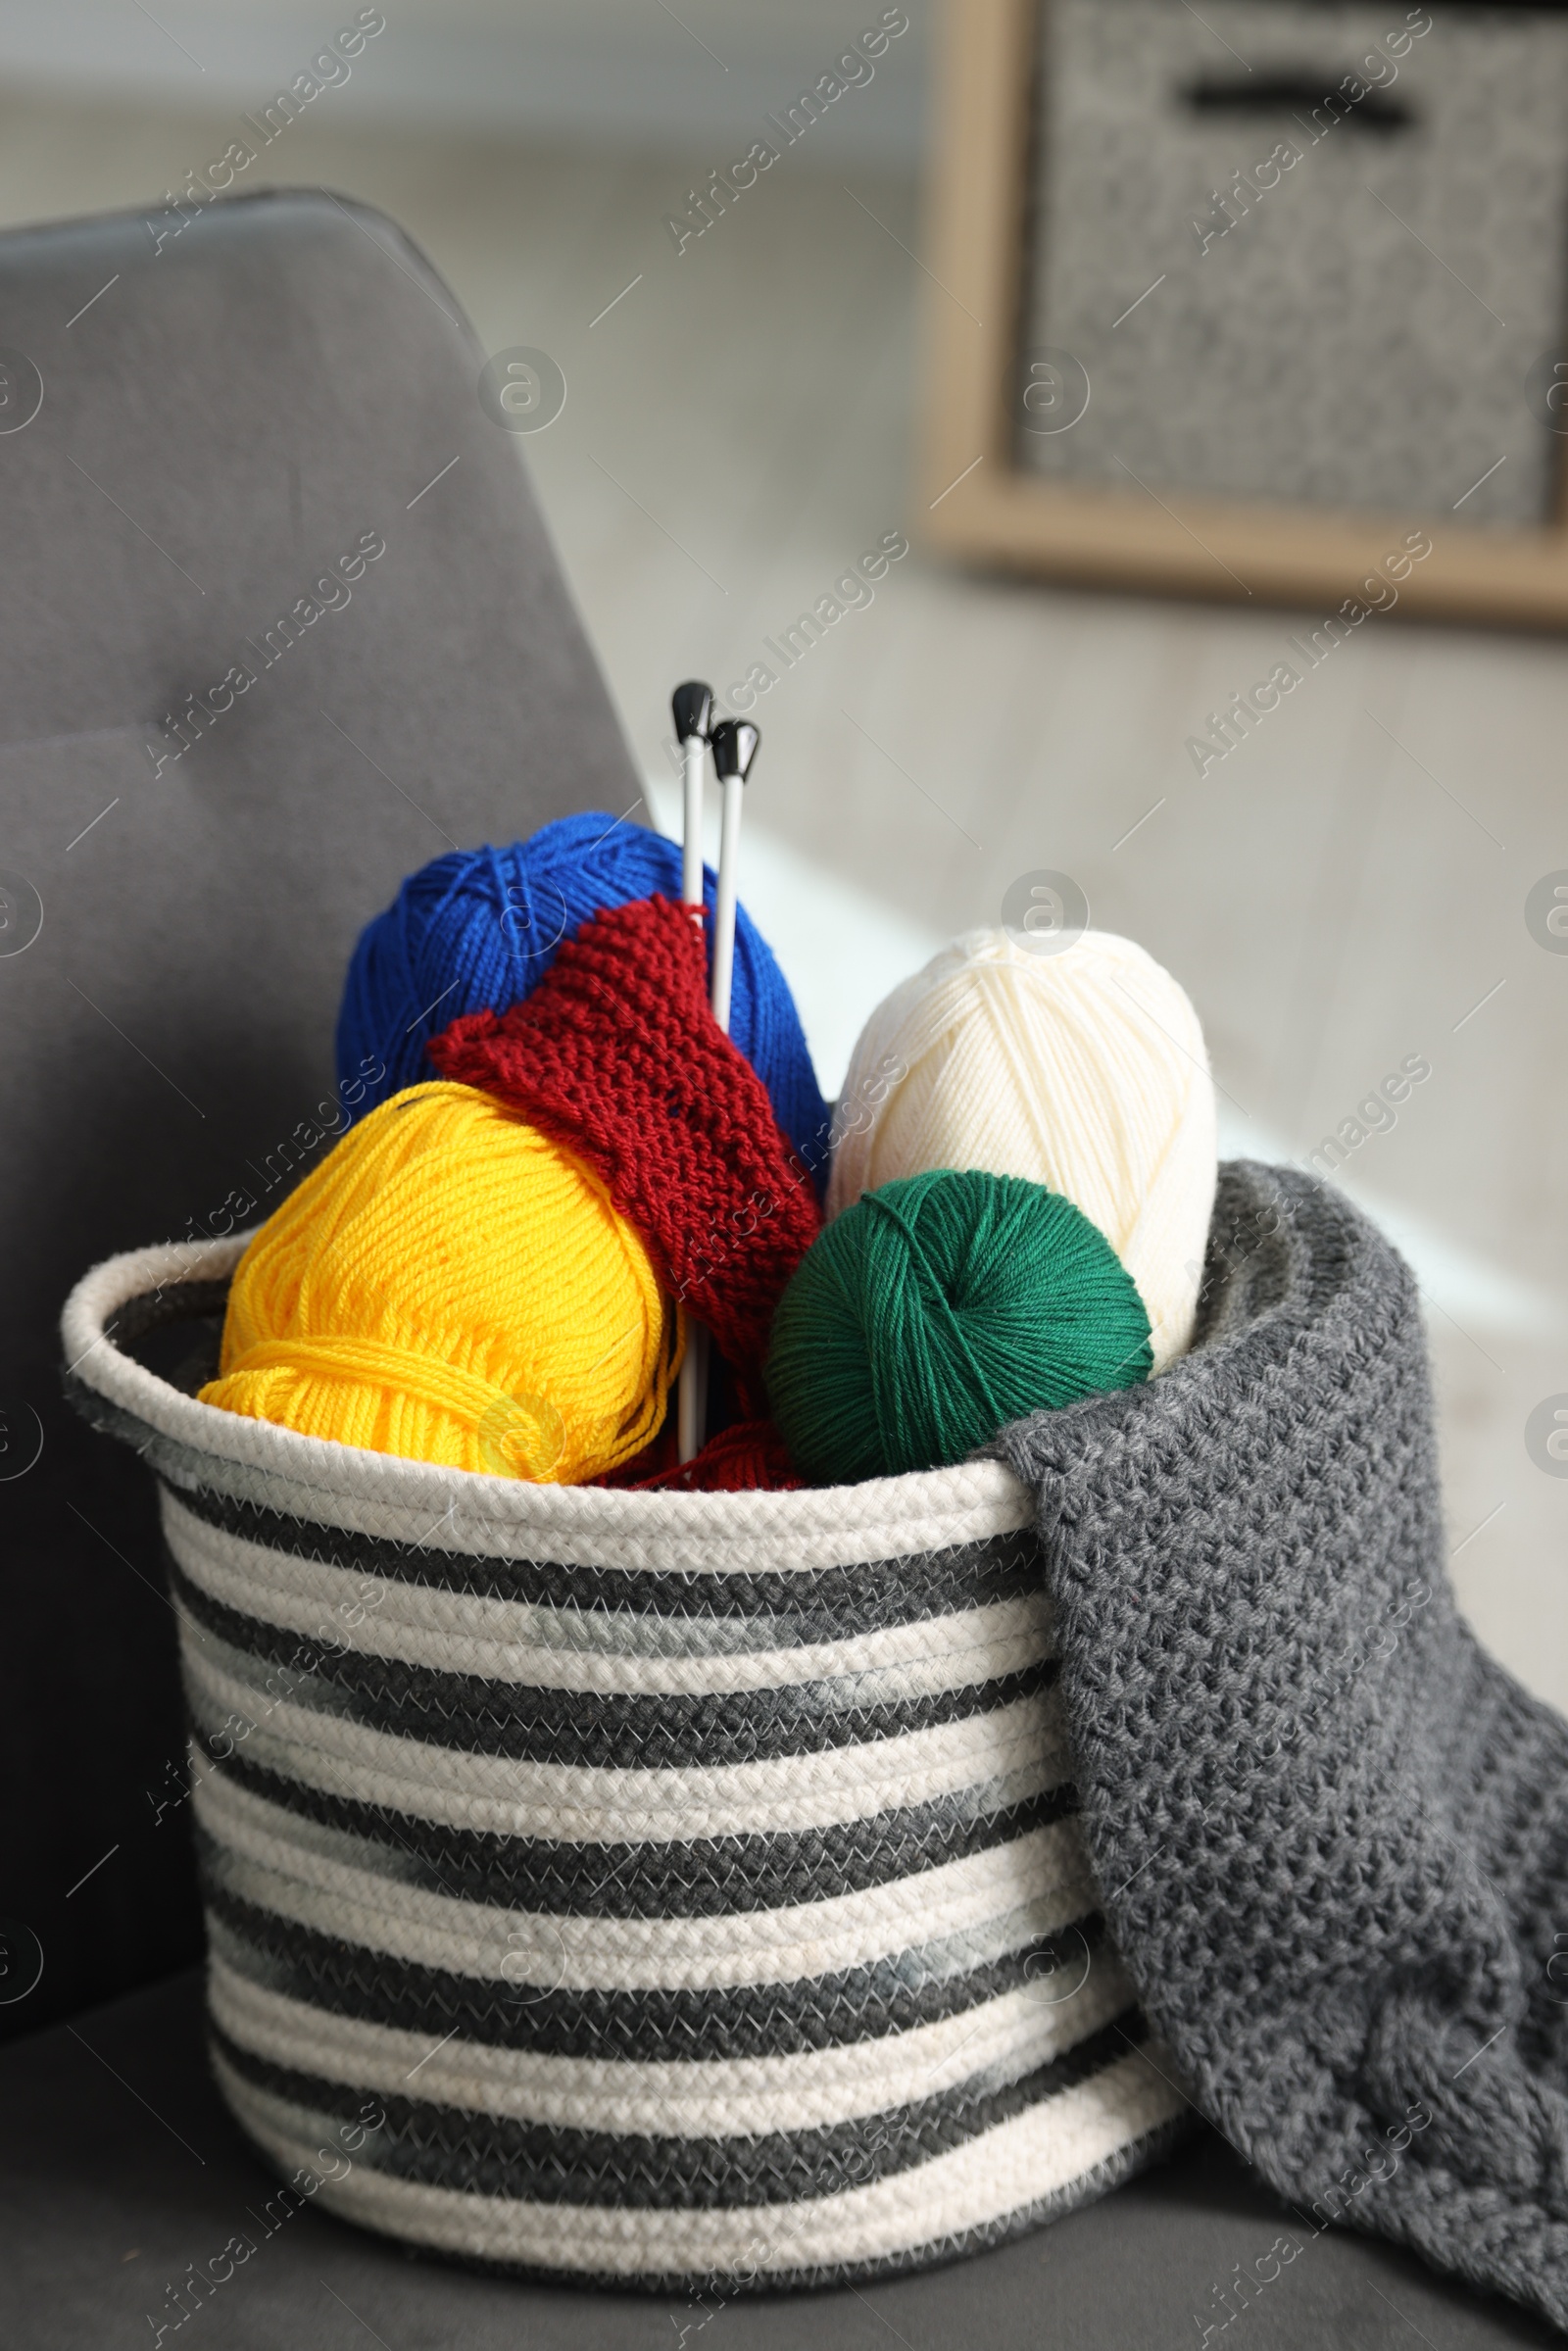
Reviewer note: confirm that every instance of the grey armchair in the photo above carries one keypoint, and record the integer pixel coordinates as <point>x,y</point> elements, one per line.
<point>213,769</point>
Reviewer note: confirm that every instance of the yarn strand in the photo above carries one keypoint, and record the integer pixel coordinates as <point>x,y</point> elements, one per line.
<point>932,1295</point>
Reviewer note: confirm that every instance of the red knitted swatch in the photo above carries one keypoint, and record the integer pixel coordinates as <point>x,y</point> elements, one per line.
<point>617,1055</point>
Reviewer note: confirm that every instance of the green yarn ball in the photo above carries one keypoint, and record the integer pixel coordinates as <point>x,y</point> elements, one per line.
<point>937,1309</point>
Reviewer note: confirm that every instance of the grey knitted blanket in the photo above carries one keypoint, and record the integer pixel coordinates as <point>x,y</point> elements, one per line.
<point>1332,1835</point>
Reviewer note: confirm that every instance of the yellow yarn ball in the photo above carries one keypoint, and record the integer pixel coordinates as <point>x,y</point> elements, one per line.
<point>1084,1070</point>
<point>452,1287</point>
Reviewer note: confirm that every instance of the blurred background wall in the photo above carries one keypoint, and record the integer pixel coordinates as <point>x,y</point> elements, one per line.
<point>1344,892</point>
<point>581,70</point>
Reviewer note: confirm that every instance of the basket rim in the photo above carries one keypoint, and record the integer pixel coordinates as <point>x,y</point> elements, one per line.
<point>886,1517</point>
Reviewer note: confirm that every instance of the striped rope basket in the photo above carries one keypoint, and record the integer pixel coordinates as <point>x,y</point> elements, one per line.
<point>658,1891</point>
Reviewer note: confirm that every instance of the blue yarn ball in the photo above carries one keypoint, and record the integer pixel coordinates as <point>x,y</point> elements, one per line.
<point>477,930</point>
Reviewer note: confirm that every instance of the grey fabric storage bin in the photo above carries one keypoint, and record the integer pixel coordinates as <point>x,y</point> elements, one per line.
<point>1362,334</point>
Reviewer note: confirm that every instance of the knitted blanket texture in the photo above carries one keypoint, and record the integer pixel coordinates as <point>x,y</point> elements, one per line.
<point>1330,1833</point>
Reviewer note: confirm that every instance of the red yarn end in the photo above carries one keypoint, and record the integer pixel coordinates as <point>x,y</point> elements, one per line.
<point>617,1057</point>
<point>749,1457</point>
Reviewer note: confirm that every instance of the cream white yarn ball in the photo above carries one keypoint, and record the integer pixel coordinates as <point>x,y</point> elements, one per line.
<point>1084,1070</point>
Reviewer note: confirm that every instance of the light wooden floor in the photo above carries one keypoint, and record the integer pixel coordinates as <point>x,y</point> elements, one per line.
<point>1341,891</point>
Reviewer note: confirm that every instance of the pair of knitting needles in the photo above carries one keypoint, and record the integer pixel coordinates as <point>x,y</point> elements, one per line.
<point>733,742</point>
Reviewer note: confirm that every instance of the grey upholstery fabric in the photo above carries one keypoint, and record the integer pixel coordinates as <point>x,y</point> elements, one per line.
<point>1332,1832</point>
<point>108,2203</point>
<point>224,422</point>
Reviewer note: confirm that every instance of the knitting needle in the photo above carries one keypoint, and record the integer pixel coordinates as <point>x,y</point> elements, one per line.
<point>734,743</point>
<point>692,707</point>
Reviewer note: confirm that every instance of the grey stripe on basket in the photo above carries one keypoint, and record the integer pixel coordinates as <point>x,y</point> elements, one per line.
<point>556,1726</point>
<point>854,2004</point>
<point>1040,2162</point>
<point>726,2097</point>
<point>1017,1746</point>
<point>491,2155</point>
<point>587,1648</point>
<point>696,1878</point>
<point>813,1604</point>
